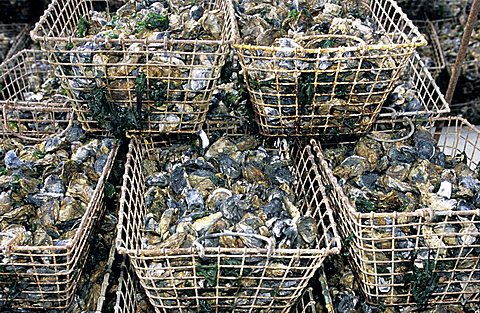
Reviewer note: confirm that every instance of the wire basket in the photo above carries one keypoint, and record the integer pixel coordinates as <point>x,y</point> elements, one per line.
<point>161,86</point>
<point>46,277</point>
<point>13,38</point>
<point>432,53</point>
<point>426,248</point>
<point>246,279</point>
<point>21,76</point>
<point>311,90</point>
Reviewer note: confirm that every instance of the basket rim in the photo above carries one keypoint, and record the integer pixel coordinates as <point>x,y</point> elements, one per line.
<point>133,253</point>
<point>361,48</point>
<point>95,198</point>
<point>422,212</point>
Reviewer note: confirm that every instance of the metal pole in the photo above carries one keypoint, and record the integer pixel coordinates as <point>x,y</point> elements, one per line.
<point>467,33</point>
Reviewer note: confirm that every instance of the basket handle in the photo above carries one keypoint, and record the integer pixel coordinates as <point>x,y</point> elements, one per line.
<point>312,39</point>
<point>201,248</point>
<point>410,133</point>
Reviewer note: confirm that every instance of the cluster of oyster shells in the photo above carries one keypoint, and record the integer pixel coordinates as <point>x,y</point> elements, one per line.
<point>404,176</point>
<point>237,185</point>
<point>45,188</point>
<point>263,23</point>
<point>450,34</point>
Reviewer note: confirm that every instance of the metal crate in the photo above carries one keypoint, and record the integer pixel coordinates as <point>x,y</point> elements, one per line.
<point>30,120</point>
<point>13,38</point>
<point>383,246</point>
<point>46,277</point>
<point>293,95</point>
<point>175,68</point>
<point>182,293</point>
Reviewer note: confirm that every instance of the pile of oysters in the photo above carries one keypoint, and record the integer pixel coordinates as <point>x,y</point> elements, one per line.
<point>236,185</point>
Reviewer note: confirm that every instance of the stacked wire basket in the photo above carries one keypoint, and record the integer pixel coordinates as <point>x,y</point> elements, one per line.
<point>246,279</point>
<point>42,277</point>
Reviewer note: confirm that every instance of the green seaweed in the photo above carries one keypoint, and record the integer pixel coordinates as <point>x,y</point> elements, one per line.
<point>82,27</point>
<point>364,205</point>
<point>39,154</point>
<point>114,118</point>
<point>425,281</point>
<point>153,21</point>
<point>158,92</point>
<point>209,272</point>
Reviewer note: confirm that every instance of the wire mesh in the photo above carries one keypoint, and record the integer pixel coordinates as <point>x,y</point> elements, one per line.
<point>46,277</point>
<point>128,287</point>
<point>127,296</point>
<point>312,90</point>
<point>21,78</point>
<point>245,279</point>
<point>430,249</point>
<point>13,38</point>
<point>306,303</point>
<point>432,53</point>
<point>169,81</point>
<point>428,98</point>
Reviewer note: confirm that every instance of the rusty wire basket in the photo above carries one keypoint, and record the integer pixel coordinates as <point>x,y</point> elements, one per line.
<point>431,54</point>
<point>159,85</point>
<point>21,77</point>
<point>246,279</point>
<point>311,90</point>
<point>13,38</point>
<point>436,249</point>
<point>46,277</point>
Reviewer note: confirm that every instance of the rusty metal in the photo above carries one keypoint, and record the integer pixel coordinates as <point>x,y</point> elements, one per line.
<point>472,18</point>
